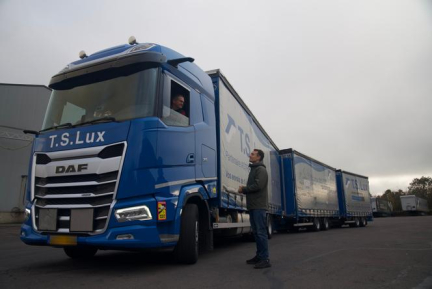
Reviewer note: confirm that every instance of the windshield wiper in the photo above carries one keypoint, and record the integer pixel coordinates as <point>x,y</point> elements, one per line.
<point>103,119</point>
<point>67,124</point>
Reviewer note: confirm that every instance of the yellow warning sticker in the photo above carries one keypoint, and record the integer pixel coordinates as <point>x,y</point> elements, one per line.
<point>162,211</point>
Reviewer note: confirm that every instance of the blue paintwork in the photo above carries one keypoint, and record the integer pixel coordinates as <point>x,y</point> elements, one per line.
<point>222,200</point>
<point>341,194</point>
<point>289,181</point>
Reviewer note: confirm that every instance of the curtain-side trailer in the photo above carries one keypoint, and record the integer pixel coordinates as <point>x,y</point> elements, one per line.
<point>310,193</point>
<point>238,133</point>
<point>354,199</point>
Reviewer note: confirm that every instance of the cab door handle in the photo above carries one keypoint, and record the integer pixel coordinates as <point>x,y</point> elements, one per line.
<point>190,159</point>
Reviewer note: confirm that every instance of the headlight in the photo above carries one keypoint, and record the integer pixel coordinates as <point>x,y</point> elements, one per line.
<point>26,214</point>
<point>140,213</point>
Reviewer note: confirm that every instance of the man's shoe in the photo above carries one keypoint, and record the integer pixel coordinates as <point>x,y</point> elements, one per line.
<point>253,261</point>
<point>262,264</point>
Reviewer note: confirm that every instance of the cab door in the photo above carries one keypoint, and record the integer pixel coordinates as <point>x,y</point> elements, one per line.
<point>176,153</point>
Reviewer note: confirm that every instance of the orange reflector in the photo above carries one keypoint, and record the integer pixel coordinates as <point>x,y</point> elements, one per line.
<point>63,240</point>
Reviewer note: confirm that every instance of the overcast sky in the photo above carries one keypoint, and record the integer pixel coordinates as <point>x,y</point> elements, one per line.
<point>346,82</point>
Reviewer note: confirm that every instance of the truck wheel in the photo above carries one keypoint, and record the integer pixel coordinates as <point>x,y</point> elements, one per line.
<point>325,224</point>
<point>187,247</point>
<point>80,252</point>
<point>362,222</point>
<point>356,223</point>
<point>269,226</point>
<point>316,225</point>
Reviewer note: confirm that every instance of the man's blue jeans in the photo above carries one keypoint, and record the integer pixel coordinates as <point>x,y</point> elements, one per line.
<point>258,222</point>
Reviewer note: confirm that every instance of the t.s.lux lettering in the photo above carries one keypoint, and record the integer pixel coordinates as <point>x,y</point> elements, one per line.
<point>66,139</point>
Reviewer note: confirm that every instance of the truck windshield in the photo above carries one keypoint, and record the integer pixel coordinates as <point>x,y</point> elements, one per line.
<point>121,98</point>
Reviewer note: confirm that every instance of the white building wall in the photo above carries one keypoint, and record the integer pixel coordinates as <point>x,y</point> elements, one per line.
<point>21,107</point>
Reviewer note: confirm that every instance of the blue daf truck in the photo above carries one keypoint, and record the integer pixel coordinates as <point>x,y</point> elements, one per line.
<point>116,166</point>
<point>119,165</point>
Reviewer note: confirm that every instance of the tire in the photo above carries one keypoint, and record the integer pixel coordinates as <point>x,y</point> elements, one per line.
<point>269,226</point>
<point>188,245</point>
<point>356,223</point>
<point>325,224</point>
<point>80,252</point>
<point>362,222</point>
<point>316,225</point>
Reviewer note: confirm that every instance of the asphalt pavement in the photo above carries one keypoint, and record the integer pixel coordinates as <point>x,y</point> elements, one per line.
<point>393,252</point>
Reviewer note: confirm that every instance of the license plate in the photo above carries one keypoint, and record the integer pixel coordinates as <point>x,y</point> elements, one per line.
<point>63,240</point>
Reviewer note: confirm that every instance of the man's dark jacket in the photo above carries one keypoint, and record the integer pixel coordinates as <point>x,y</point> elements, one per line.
<point>256,187</point>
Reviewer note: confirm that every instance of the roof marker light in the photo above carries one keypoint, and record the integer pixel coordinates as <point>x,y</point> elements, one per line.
<point>82,54</point>
<point>132,40</point>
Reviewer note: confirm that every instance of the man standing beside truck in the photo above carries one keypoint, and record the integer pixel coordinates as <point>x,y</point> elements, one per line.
<point>257,203</point>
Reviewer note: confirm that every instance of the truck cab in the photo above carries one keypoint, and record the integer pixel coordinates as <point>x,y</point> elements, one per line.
<point>116,162</point>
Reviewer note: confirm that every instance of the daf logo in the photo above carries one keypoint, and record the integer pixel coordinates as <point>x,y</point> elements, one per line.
<point>71,168</point>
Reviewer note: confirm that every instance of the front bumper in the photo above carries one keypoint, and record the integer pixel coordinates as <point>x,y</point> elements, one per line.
<point>143,237</point>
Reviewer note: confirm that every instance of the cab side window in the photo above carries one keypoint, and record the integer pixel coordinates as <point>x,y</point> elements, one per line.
<point>176,104</point>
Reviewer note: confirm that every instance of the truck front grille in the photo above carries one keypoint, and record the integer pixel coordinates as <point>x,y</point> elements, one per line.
<point>82,191</point>
<point>74,179</point>
<point>79,184</point>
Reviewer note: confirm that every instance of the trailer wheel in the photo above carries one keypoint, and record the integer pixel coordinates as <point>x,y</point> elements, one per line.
<point>269,226</point>
<point>80,252</point>
<point>316,225</point>
<point>187,247</point>
<point>325,224</point>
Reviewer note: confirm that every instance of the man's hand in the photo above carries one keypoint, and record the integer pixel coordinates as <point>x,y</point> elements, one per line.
<point>240,190</point>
